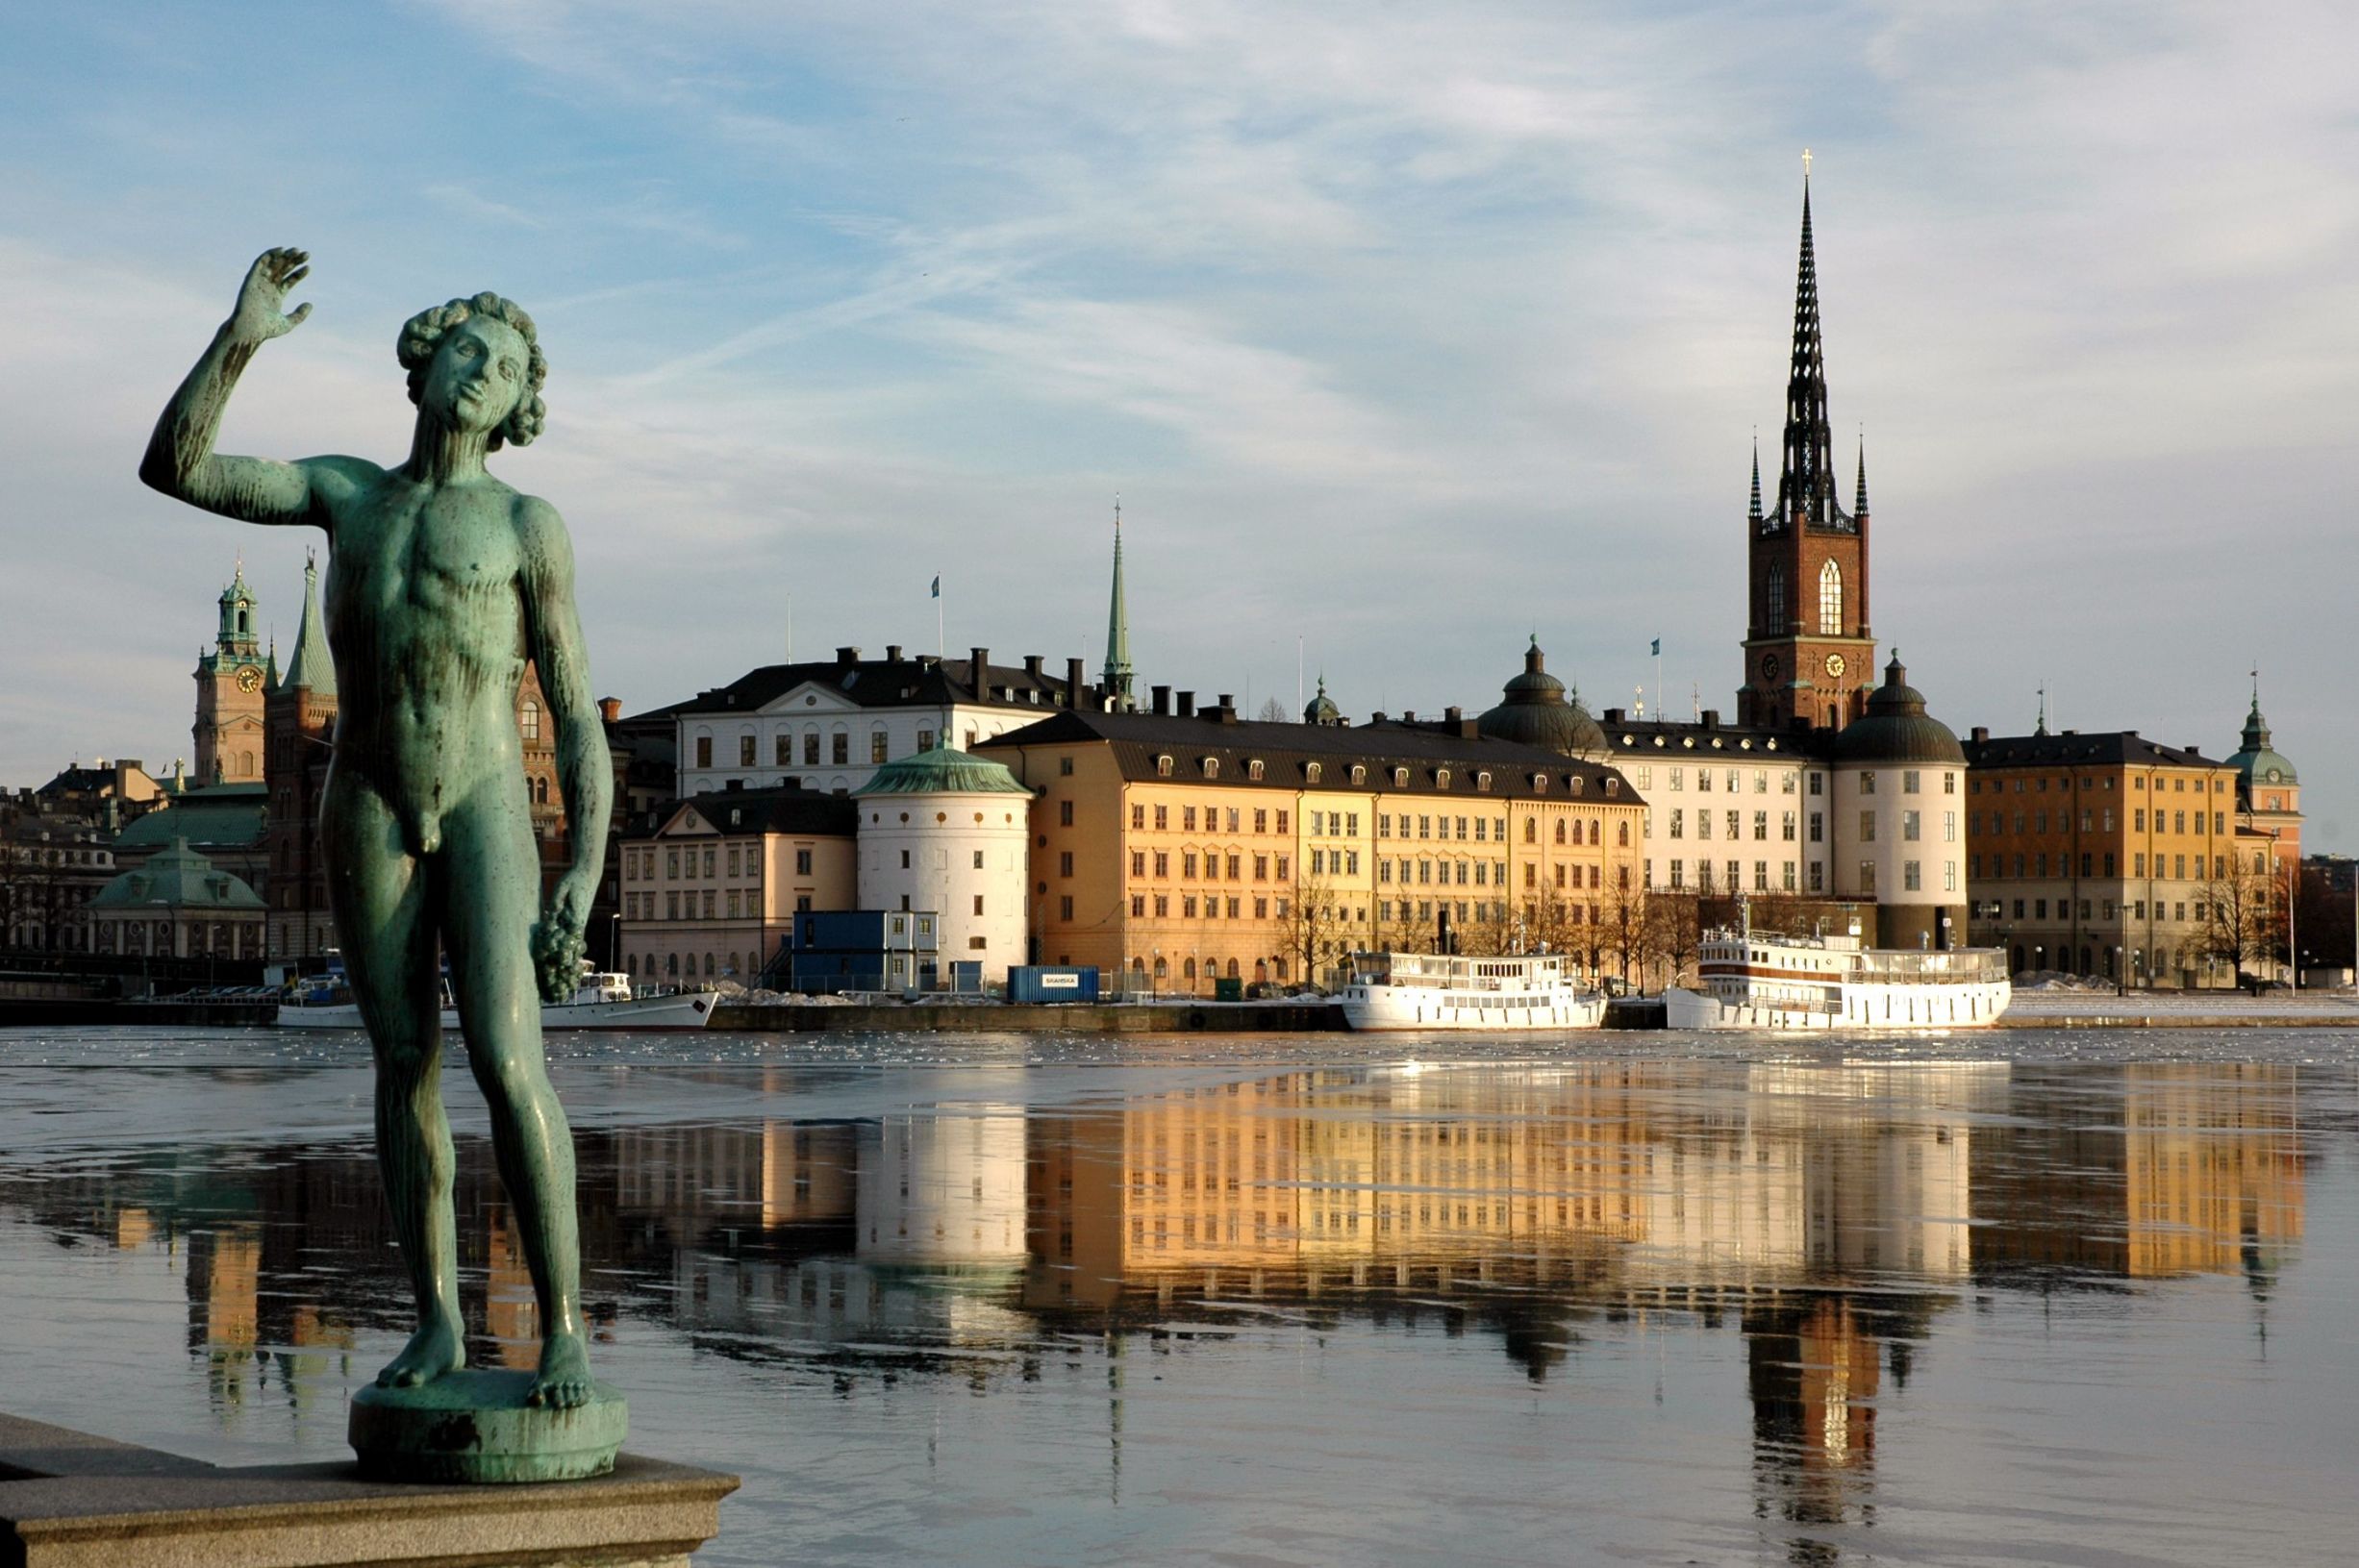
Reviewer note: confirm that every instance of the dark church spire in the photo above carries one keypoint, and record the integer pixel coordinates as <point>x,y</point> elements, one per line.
<point>1859,500</point>
<point>1754,514</point>
<point>1806,483</point>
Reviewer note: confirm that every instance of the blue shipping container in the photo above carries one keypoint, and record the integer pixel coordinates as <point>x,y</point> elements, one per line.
<point>1051,983</point>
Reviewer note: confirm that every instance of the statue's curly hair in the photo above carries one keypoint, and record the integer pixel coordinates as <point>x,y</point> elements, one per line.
<point>422,334</point>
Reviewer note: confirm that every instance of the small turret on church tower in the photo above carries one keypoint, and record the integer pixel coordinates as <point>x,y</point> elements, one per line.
<point>1808,648</point>
<point>230,683</point>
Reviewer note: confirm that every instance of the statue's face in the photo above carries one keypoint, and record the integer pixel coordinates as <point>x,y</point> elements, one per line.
<point>477,374</point>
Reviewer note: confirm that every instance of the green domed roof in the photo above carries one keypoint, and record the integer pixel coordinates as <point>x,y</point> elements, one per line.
<point>2257,759</point>
<point>1536,711</point>
<point>944,770</point>
<point>1896,728</point>
<point>176,879</point>
<point>1321,708</point>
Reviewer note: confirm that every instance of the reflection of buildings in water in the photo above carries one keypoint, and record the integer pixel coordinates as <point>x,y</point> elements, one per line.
<point>227,1270</point>
<point>511,1312</point>
<point>2148,1171</point>
<point>945,1188</point>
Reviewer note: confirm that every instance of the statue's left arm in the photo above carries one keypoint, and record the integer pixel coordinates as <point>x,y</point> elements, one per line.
<point>585,767</point>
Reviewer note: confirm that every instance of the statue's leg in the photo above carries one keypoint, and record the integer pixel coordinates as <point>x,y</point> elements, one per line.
<point>383,920</point>
<point>490,900</point>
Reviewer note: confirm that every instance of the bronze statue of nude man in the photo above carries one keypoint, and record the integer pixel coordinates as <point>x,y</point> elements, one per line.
<point>441,582</point>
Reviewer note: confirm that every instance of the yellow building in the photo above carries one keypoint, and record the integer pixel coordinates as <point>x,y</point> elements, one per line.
<point>1179,848</point>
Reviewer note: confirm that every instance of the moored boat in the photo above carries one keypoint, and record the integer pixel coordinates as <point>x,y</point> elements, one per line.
<point>600,1000</point>
<point>1766,980</point>
<point>1442,991</point>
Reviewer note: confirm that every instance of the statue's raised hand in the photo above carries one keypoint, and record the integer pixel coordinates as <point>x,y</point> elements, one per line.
<point>261,314</point>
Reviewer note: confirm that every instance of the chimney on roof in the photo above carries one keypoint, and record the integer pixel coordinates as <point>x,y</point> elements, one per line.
<point>847,656</point>
<point>979,671</point>
<point>1712,718</point>
<point>1072,683</point>
<point>1451,715</point>
<point>1377,718</point>
<point>2070,732</point>
<point>1032,667</point>
<point>610,708</point>
<point>1226,712</point>
<point>1161,698</point>
<point>1187,704</point>
<point>1980,733</point>
<point>893,653</point>
<point>2192,751</point>
<point>1612,715</point>
<point>1408,715</point>
<point>1470,729</point>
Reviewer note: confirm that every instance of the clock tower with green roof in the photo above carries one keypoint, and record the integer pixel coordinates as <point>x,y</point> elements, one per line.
<point>231,681</point>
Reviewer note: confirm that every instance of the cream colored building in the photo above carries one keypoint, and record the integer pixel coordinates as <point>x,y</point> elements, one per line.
<point>710,886</point>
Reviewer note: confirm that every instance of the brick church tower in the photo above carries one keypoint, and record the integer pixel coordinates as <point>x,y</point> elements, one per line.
<point>1809,654</point>
<point>230,683</point>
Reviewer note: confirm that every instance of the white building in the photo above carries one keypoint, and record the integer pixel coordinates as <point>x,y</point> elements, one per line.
<point>1741,810</point>
<point>1899,786</point>
<point>947,831</point>
<point>829,725</point>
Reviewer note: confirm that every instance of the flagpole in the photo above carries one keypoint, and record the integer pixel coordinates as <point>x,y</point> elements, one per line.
<point>942,648</point>
<point>1659,714</point>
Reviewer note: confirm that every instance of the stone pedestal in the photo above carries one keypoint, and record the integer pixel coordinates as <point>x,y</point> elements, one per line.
<point>474,1426</point>
<point>69,1500</point>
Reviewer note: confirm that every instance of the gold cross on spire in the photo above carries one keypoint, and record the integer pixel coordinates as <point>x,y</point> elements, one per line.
<point>1806,165</point>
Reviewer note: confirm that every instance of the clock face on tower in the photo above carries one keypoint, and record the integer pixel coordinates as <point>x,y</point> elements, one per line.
<point>1768,667</point>
<point>1833,665</point>
<point>249,679</point>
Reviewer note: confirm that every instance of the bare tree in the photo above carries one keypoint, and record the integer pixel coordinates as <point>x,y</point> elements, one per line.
<point>1315,917</point>
<point>2240,914</point>
<point>1674,923</point>
<point>1274,712</point>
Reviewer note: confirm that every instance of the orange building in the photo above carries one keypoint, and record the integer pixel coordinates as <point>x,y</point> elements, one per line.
<point>1180,848</point>
<point>2096,854</point>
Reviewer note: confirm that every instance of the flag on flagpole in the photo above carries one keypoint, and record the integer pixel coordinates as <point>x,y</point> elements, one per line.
<point>1655,652</point>
<point>936,593</point>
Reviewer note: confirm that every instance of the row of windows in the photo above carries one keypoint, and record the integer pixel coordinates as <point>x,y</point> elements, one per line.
<point>1732,781</point>
<point>1910,781</point>
<point>1912,827</point>
<point>1263,908</point>
<point>1483,873</point>
<point>1733,877</point>
<point>2038,784</point>
<point>1761,824</point>
<point>2036,865</point>
<point>2174,909</point>
<point>1210,863</point>
<point>838,747</point>
<point>639,865</point>
<point>1912,876</point>
<point>1315,773</point>
<point>1188,818</point>
<point>2098,819</point>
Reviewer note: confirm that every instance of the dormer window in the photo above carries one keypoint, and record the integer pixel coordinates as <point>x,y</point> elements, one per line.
<point>1540,784</point>
<point>1613,786</point>
<point>1400,778</point>
<point>1163,766</point>
<point>1253,769</point>
<point>1211,767</point>
<point>1359,774</point>
<point>1577,782</point>
<point>1441,778</point>
<point>1482,780</point>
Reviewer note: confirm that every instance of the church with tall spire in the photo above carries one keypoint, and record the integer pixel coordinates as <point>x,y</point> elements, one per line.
<point>1117,674</point>
<point>1809,651</point>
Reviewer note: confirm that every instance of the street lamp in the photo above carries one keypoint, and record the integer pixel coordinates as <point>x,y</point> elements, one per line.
<point>1154,978</point>
<point>2120,973</point>
<point>613,941</point>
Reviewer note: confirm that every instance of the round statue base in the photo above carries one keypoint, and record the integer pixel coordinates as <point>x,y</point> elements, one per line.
<point>474,1427</point>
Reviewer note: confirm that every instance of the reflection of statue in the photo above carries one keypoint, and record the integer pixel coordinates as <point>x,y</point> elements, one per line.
<point>441,582</point>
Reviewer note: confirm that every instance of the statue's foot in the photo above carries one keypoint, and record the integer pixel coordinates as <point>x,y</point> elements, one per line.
<point>563,1381</point>
<point>437,1347</point>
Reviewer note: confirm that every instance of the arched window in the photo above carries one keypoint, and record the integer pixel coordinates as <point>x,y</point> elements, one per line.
<point>1531,831</point>
<point>528,719</point>
<point>1188,970</point>
<point>1560,830</point>
<point>1622,837</point>
<point>1830,600</point>
<point>1776,621</point>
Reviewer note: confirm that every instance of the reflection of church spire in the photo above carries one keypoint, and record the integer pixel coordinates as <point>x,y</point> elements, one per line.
<point>1117,674</point>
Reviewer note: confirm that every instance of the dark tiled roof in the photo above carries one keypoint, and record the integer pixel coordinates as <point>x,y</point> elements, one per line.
<point>217,815</point>
<point>1287,751</point>
<point>2111,747</point>
<point>921,681</point>
<point>808,812</point>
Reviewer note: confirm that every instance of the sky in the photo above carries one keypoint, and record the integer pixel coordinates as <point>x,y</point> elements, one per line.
<point>1402,333</point>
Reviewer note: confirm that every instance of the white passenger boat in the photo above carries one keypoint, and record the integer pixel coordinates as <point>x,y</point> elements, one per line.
<point>1426,990</point>
<point>601,1001</point>
<point>1764,980</point>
